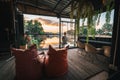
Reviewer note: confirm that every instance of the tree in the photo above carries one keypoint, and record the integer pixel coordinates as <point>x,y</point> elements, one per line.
<point>34,28</point>
<point>99,31</point>
<point>107,29</point>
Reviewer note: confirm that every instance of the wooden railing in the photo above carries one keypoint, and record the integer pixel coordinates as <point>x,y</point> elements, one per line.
<point>97,41</point>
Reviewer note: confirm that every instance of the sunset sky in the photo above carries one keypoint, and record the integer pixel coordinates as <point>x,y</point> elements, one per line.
<point>50,24</point>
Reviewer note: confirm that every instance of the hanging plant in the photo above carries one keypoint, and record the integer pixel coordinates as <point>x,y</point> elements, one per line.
<point>98,15</point>
<point>109,8</point>
<point>81,9</point>
<point>84,9</point>
<point>83,21</point>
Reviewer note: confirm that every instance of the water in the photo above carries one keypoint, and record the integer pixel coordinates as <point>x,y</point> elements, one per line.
<point>54,41</point>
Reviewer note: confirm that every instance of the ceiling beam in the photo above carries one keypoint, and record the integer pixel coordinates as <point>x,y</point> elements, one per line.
<point>32,5</point>
<point>56,5</point>
<point>66,6</point>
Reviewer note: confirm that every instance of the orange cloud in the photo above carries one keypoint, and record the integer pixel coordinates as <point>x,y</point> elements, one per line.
<point>48,22</point>
<point>48,25</point>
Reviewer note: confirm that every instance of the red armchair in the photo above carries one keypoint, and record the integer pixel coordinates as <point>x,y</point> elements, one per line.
<point>27,65</point>
<point>56,62</point>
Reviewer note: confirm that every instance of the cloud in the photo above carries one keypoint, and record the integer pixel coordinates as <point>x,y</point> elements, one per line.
<point>49,25</point>
<point>48,22</point>
<point>26,18</point>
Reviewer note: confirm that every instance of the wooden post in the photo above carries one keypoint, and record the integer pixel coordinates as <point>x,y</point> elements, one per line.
<point>115,50</point>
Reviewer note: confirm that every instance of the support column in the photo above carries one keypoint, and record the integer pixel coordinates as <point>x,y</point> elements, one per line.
<point>60,32</point>
<point>115,50</point>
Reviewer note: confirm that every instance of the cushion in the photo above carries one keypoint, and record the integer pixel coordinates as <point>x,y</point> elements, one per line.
<point>80,44</point>
<point>23,47</point>
<point>56,62</point>
<point>27,66</point>
<point>107,50</point>
<point>90,48</point>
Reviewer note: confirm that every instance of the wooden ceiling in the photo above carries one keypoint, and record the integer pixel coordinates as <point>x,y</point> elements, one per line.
<point>51,7</point>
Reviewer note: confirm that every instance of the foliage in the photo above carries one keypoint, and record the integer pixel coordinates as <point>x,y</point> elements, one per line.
<point>35,41</point>
<point>99,31</point>
<point>107,27</point>
<point>84,31</point>
<point>34,28</point>
<point>105,30</point>
<point>85,9</point>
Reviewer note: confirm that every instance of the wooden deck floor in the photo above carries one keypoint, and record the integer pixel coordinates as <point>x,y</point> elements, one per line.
<point>80,68</point>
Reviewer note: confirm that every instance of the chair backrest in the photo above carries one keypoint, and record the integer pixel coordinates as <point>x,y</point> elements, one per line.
<point>90,48</point>
<point>27,67</point>
<point>56,63</point>
<point>107,50</point>
<point>80,44</point>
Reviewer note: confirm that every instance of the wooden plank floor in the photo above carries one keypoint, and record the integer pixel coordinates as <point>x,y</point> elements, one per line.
<point>79,68</point>
<point>7,69</point>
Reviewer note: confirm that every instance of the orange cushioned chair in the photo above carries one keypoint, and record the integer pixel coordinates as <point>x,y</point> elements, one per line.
<point>81,47</point>
<point>56,62</point>
<point>92,51</point>
<point>107,50</point>
<point>27,66</point>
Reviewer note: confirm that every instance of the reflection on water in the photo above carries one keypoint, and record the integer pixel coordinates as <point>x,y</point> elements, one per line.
<point>54,41</point>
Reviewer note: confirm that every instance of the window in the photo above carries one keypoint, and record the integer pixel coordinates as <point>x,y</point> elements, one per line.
<point>44,30</point>
<point>101,28</point>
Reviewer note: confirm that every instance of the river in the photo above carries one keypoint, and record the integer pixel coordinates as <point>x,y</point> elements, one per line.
<point>54,41</point>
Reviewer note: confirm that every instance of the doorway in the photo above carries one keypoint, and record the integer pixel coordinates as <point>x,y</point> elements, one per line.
<point>69,28</point>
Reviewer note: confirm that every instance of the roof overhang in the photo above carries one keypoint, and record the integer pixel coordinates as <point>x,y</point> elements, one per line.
<point>58,8</point>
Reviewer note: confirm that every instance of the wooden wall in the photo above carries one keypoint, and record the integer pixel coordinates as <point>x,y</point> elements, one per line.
<point>6,25</point>
<point>115,52</point>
